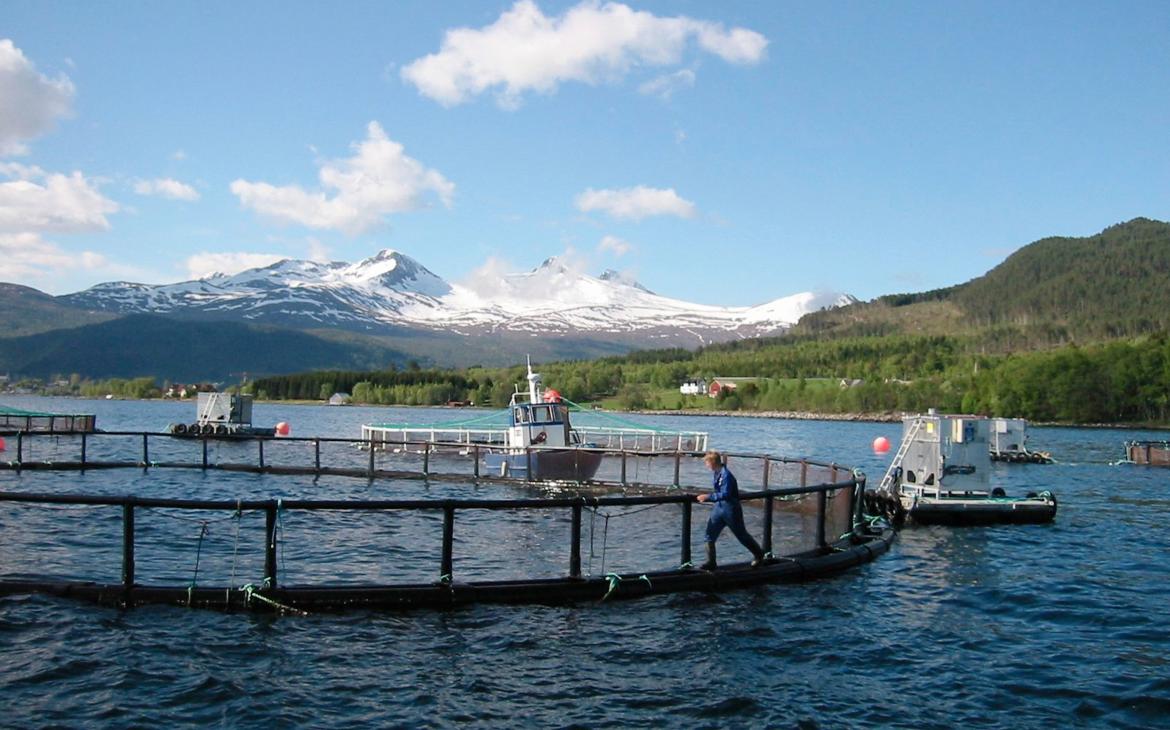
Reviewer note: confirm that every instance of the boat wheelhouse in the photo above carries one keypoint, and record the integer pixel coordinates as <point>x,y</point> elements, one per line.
<point>940,476</point>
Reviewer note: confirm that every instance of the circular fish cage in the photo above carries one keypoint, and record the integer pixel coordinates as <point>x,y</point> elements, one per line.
<point>458,537</point>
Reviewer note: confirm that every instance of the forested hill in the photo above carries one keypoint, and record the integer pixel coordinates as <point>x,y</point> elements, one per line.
<point>1053,291</point>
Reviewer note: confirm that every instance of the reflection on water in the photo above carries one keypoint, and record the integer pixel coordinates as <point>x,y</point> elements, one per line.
<point>1028,626</point>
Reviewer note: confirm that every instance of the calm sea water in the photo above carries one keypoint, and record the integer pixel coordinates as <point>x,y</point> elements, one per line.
<point>989,627</point>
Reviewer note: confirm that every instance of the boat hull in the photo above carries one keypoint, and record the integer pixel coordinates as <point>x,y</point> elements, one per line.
<point>576,465</point>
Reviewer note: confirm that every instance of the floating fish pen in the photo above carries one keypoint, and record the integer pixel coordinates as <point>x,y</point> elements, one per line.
<point>369,545</point>
<point>15,421</point>
<point>1148,453</point>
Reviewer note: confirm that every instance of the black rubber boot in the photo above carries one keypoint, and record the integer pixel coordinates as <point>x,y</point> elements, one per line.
<point>759,559</point>
<point>710,564</point>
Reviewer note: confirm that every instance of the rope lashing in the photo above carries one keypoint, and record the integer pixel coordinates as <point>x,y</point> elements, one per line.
<point>445,579</point>
<point>251,591</point>
<point>615,580</point>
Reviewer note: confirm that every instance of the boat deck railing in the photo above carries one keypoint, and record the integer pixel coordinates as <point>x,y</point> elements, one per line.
<point>605,437</point>
<point>812,508</point>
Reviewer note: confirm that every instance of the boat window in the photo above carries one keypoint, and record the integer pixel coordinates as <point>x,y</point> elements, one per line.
<point>911,477</point>
<point>519,417</point>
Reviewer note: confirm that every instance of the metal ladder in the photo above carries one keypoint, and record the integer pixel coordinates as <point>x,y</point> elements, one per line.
<point>888,480</point>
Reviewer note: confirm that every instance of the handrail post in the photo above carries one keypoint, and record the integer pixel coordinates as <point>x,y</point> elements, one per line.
<point>204,454</point>
<point>317,455</point>
<point>427,459</point>
<point>677,463</point>
<point>83,451</point>
<point>447,564</point>
<point>575,544</point>
<point>685,546</point>
<point>821,503</point>
<point>623,467</point>
<point>370,465</point>
<point>270,516</point>
<point>145,453</point>
<point>19,450</point>
<point>768,523</point>
<point>858,500</point>
<point>767,470</point>
<point>128,551</point>
<point>477,461</point>
<point>260,443</point>
<point>528,463</point>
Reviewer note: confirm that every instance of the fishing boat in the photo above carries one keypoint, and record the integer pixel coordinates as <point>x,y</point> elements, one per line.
<point>940,476</point>
<point>539,440</point>
<point>1149,453</point>
<point>222,415</point>
<point>1009,443</point>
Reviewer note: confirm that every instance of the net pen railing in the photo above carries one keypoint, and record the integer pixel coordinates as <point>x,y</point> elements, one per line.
<point>432,545</point>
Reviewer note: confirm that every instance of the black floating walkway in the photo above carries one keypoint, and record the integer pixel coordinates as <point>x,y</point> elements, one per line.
<point>810,565</point>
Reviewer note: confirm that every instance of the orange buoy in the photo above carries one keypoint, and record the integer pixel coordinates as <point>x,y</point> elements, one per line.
<point>2,444</point>
<point>881,445</point>
<point>282,429</point>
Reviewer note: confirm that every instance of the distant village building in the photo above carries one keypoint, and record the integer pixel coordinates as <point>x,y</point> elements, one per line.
<point>339,399</point>
<point>693,387</point>
<point>718,384</point>
<point>850,382</point>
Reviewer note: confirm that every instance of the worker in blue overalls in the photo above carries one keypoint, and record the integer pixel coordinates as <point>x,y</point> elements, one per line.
<point>727,512</point>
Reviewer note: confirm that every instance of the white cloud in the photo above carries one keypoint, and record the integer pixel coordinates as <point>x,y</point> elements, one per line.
<point>178,155</point>
<point>319,252</point>
<point>29,100</point>
<point>666,85</point>
<point>37,201</point>
<point>635,203</point>
<point>613,243</point>
<point>378,180</point>
<point>205,264</point>
<point>166,188</point>
<point>524,50</point>
<point>29,259</point>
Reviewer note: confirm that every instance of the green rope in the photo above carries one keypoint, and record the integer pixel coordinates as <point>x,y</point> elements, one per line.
<point>250,592</point>
<point>614,580</point>
<point>445,579</point>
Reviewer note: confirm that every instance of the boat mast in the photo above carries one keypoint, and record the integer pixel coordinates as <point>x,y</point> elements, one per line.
<point>533,383</point>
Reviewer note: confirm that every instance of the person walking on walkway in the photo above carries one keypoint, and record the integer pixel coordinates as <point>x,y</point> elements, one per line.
<point>727,512</point>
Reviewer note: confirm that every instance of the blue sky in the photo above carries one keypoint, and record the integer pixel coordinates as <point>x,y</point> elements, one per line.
<point>726,153</point>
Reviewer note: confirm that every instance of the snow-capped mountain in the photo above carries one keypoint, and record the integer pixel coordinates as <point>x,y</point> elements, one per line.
<point>390,291</point>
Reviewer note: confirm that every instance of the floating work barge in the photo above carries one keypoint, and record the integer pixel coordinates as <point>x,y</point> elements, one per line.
<point>15,420</point>
<point>814,508</point>
<point>1149,453</point>
<point>940,476</point>
<point>223,415</point>
<point>1009,443</point>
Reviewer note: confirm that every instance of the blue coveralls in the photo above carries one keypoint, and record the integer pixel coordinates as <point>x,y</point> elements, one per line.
<point>727,512</point>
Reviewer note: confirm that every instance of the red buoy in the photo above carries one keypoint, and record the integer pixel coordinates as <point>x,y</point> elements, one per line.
<point>282,429</point>
<point>2,444</point>
<point>881,445</point>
